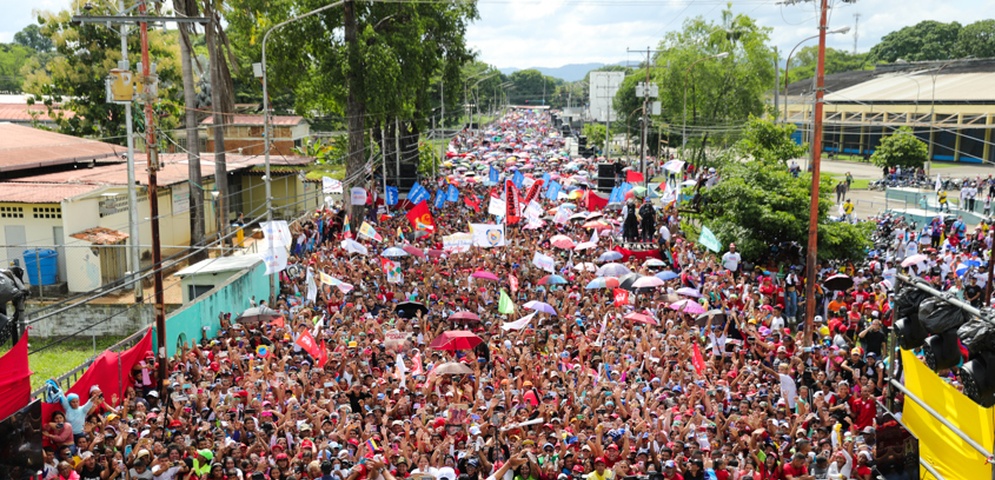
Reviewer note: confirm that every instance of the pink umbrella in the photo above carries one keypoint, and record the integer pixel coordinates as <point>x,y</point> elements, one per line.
<point>436,253</point>
<point>464,315</point>
<point>687,306</point>
<point>641,318</point>
<point>414,251</point>
<point>455,340</point>
<point>485,275</point>
<point>562,241</point>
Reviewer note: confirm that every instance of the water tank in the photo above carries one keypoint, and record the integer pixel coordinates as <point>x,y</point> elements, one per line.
<point>43,262</point>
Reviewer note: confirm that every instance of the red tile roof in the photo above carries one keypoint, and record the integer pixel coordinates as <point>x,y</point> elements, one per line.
<point>257,120</point>
<point>101,236</point>
<point>18,112</point>
<point>15,192</point>
<point>23,147</point>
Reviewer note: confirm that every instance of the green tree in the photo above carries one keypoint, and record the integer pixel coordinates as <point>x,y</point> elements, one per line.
<point>84,55</point>
<point>32,37</point>
<point>595,133</point>
<point>977,39</point>
<point>13,57</point>
<point>759,207</point>
<point>531,87</point>
<point>769,142</point>
<point>926,40</point>
<point>901,149</point>
<point>802,65</point>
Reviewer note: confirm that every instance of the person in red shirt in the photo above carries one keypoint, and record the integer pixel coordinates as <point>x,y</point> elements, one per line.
<point>863,408</point>
<point>796,469</point>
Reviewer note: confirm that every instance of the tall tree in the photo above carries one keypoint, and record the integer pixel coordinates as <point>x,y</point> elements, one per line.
<point>803,63</point>
<point>926,40</point>
<point>13,57</point>
<point>222,103</point>
<point>977,40</point>
<point>32,37</point>
<point>189,8</point>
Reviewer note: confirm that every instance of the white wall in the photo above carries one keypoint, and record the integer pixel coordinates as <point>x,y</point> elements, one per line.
<point>603,87</point>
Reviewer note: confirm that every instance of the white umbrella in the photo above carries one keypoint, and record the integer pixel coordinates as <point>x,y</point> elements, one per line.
<point>394,252</point>
<point>914,259</point>
<point>689,292</point>
<point>613,270</point>
<point>588,266</point>
<point>353,246</point>
<point>648,282</point>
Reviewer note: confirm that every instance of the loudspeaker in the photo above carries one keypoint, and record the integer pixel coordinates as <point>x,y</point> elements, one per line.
<point>606,177</point>
<point>582,141</point>
<point>407,177</point>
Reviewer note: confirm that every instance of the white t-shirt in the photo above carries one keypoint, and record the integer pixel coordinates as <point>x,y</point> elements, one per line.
<point>664,233</point>
<point>788,390</point>
<point>731,260</point>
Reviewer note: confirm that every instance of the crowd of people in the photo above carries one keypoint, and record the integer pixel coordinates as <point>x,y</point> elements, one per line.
<point>707,375</point>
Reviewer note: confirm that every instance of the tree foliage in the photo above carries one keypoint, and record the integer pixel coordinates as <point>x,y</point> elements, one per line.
<point>531,87</point>
<point>803,63</point>
<point>595,133</point>
<point>769,142</point>
<point>901,149</point>
<point>759,208</point>
<point>977,39</point>
<point>926,40</point>
<point>84,55</point>
<point>13,57</point>
<point>32,37</point>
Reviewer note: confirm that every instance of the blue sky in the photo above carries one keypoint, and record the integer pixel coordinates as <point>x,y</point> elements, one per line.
<point>552,33</point>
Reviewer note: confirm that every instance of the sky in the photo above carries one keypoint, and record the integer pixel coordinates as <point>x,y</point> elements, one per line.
<point>553,33</point>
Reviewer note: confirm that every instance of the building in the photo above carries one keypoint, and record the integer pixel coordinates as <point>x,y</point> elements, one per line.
<point>70,195</point>
<point>604,86</point>
<point>244,134</point>
<point>16,109</point>
<point>949,105</point>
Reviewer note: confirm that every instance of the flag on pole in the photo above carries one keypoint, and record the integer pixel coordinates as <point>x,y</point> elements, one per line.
<point>492,175</point>
<point>452,194</point>
<point>518,179</point>
<point>621,297</point>
<point>346,227</point>
<point>420,217</point>
<point>393,270</point>
<point>306,341</point>
<point>391,195</point>
<point>533,191</point>
<point>418,194</point>
<point>367,230</point>
<point>512,211</point>
<point>698,361</point>
<point>633,176</point>
<point>322,356</point>
<point>707,238</point>
<point>505,305</point>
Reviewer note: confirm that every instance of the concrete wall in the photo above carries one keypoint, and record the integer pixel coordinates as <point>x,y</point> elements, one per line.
<point>116,320</point>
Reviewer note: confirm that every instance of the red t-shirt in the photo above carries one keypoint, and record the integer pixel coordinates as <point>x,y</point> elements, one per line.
<point>795,472</point>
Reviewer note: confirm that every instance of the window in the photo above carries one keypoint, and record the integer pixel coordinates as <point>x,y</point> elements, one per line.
<point>11,212</point>
<point>195,291</point>
<point>47,212</point>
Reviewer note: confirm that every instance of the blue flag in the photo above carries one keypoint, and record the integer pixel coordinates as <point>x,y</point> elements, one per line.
<point>616,195</point>
<point>518,179</point>
<point>391,196</point>
<point>545,179</point>
<point>453,194</point>
<point>554,190</point>
<point>626,186</point>
<point>440,199</point>
<point>492,175</point>
<point>418,194</point>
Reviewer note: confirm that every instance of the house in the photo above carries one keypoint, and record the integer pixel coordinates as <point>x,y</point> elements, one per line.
<point>16,109</point>
<point>244,134</point>
<point>71,195</point>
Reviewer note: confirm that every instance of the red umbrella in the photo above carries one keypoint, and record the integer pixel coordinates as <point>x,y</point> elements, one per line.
<point>414,251</point>
<point>641,318</point>
<point>464,315</point>
<point>455,340</point>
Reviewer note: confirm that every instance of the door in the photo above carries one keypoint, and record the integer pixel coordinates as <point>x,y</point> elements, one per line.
<point>15,239</point>
<point>60,251</point>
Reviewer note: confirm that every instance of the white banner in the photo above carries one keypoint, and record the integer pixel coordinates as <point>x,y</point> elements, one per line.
<point>278,231</point>
<point>312,286</point>
<point>394,338</point>
<point>544,262</point>
<point>330,185</point>
<point>518,324</point>
<point>487,235</point>
<point>533,212</point>
<point>496,207</point>
<point>181,198</point>
<point>562,216</point>
<point>457,242</point>
<point>275,256</point>
<point>358,196</point>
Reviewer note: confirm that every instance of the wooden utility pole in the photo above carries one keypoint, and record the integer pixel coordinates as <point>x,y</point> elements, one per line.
<point>219,107</point>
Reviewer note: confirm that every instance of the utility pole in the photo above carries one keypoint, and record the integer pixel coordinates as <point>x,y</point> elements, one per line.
<point>777,82</point>
<point>136,262</point>
<point>152,156</point>
<point>646,98</point>
<point>856,31</point>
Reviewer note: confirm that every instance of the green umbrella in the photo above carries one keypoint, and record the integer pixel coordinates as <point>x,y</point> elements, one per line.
<point>639,191</point>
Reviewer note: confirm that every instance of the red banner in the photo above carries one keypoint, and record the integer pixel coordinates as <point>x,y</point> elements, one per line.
<point>322,356</point>
<point>621,297</point>
<point>634,177</point>
<point>511,210</point>
<point>306,342</point>
<point>698,361</point>
<point>472,201</point>
<point>420,217</point>
<point>594,202</point>
<point>533,191</point>
<point>15,386</point>
<point>513,283</point>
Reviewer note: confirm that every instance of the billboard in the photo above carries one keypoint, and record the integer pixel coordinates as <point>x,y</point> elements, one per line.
<point>604,86</point>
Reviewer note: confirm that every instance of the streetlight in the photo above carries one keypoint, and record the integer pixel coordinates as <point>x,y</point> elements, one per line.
<point>465,96</point>
<point>787,64</point>
<point>266,121</point>
<point>684,129</point>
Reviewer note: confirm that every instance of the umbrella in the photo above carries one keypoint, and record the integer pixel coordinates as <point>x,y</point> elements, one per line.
<point>602,282</point>
<point>914,259</point>
<point>552,280</point>
<point>689,292</point>
<point>485,275</point>
<point>667,275</point>
<point>585,246</point>
<point>410,309</point>
<point>261,313</point>
<point>540,307</point>
<point>353,246</point>
<point>647,282</point>
<point>394,252</point>
<point>578,216</point>
<point>613,270</point>
<point>464,315</point>
<point>597,225</point>
<point>455,340</point>
<point>562,241</point>
<point>641,318</point>
<point>452,368</point>
<point>654,263</point>
<point>436,253</point>
<point>838,282</point>
<point>675,166</point>
<point>687,306</point>
<point>639,191</point>
<point>627,281</point>
<point>588,266</point>
<point>718,317</point>
<point>414,251</point>
<point>420,233</point>
<point>610,256</point>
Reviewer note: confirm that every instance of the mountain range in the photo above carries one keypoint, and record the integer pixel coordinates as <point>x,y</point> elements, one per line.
<point>570,73</point>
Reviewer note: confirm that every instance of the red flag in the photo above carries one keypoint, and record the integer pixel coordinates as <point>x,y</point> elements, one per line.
<point>322,355</point>
<point>15,389</point>
<point>621,297</point>
<point>306,342</point>
<point>513,283</point>
<point>511,210</point>
<point>472,201</point>
<point>698,361</point>
<point>278,322</point>
<point>420,217</point>
<point>594,202</point>
<point>533,191</point>
<point>417,369</point>
<point>633,176</point>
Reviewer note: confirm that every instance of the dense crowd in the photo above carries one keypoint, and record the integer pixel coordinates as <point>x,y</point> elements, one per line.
<point>708,375</point>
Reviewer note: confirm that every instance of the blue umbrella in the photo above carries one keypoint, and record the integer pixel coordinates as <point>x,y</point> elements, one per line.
<point>610,256</point>
<point>667,275</point>
<point>394,252</point>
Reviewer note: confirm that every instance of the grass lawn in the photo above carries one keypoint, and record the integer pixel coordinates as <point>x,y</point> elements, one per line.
<point>61,358</point>
<point>334,171</point>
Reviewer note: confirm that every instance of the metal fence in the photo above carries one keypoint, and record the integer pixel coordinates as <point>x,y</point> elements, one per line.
<point>67,379</point>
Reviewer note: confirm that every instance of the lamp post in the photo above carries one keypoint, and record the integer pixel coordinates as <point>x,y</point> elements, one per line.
<point>684,128</point>
<point>266,127</point>
<point>466,82</point>
<point>787,63</point>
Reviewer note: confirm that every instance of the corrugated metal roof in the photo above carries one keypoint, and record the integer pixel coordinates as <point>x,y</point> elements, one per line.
<point>15,192</point>
<point>23,147</point>
<point>919,86</point>
<point>101,236</point>
<point>28,113</point>
<point>258,120</point>
<point>221,264</point>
